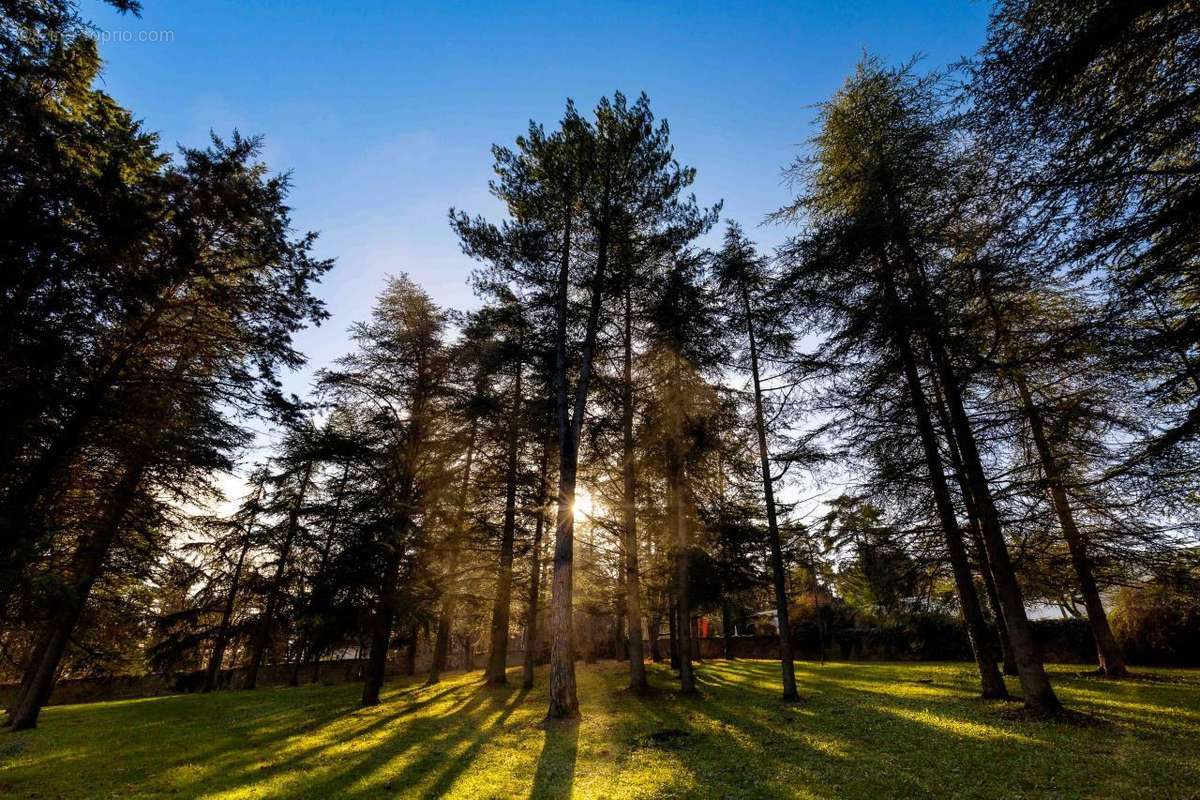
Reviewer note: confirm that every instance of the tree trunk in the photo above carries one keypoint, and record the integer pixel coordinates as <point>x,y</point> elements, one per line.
<point>441,643</point>
<point>220,642</point>
<point>497,667</point>
<point>655,649</point>
<point>381,632</point>
<point>620,643</point>
<point>87,562</point>
<point>20,516</point>
<point>1039,694</point>
<point>1036,686</point>
<point>726,631</point>
<point>1112,662</point>
<point>564,701</point>
<point>385,609</point>
<point>985,565</point>
<point>679,518</point>
<point>262,637</point>
<point>991,681</point>
<point>629,542</point>
<point>301,651</point>
<point>468,662</point>
<point>535,570</point>
<point>778,575</point>
<point>316,643</point>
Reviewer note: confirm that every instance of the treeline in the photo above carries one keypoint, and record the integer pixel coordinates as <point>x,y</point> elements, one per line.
<point>984,324</point>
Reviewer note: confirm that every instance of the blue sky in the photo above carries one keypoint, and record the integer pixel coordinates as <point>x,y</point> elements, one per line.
<point>384,113</point>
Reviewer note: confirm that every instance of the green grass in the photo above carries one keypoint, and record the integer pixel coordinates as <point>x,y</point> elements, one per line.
<point>861,731</point>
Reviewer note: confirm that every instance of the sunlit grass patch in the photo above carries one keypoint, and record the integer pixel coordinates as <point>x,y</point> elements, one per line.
<point>859,731</point>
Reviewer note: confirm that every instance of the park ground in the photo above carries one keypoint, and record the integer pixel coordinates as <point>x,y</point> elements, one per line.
<point>862,730</point>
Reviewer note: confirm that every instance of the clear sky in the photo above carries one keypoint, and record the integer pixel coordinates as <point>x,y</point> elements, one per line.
<point>384,113</point>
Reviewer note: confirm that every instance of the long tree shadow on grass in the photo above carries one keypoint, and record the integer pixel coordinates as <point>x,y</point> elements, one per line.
<point>555,774</point>
<point>402,758</point>
<point>889,730</point>
<point>862,730</point>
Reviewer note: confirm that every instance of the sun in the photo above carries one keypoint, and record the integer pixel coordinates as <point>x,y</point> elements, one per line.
<point>584,508</point>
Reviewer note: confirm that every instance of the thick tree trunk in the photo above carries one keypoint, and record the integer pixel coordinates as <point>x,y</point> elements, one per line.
<point>221,640</point>
<point>87,565</point>
<point>535,570</point>
<point>564,700</point>
<point>262,637</point>
<point>1112,662</point>
<point>778,574</point>
<point>655,649</point>
<point>985,565</point>
<point>629,542</point>
<point>497,667</point>
<point>991,681</point>
<point>381,632</point>
<point>441,642</point>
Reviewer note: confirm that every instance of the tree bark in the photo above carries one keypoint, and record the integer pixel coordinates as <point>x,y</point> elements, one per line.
<point>629,542</point>
<point>1039,694</point>
<point>262,637</point>
<point>535,569</point>
<point>381,632</point>
<point>88,562</point>
<point>778,575</point>
<point>564,701</point>
<point>991,681</point>
<point>497,667</point>
<point>1112,662</point>
<point>985,565</point>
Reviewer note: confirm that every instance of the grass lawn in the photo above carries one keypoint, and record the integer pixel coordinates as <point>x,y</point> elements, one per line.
<point>861,731</point>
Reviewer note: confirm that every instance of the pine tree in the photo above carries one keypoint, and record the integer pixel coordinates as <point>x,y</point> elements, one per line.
<point>744,276</point>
